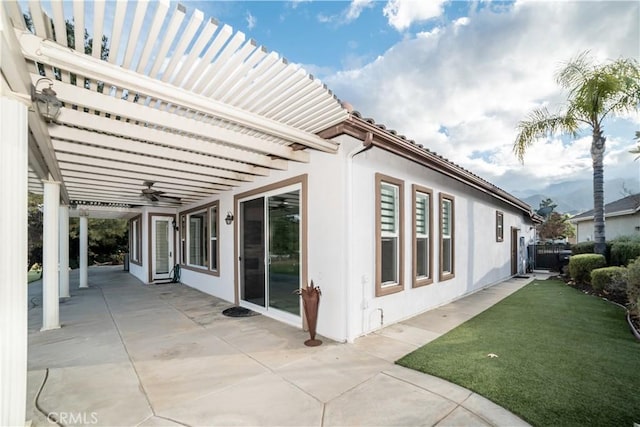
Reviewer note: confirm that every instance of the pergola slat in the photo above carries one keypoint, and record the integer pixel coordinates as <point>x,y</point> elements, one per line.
<point>222,59</point>
<point>83,170</point>
<point>116,33</point>
<point>142,169</point>
<point>209,29</point>
<point>131,131</point>
<point>169,36</point>
<point>140,159</point>
<point>152,35</point>
<point>117,107</point>
<point>136,27</point>
<point>78,20</point>
<point>205,63</point>
<point>116,181</point>
<point>109,142</point>
<point>194,23</point>
<point>98,28</point>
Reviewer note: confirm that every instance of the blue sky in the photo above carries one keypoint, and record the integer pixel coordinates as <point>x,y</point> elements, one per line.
<point>455,76</point>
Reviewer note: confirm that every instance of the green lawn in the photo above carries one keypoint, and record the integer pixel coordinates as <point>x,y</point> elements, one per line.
<point>564,358</point>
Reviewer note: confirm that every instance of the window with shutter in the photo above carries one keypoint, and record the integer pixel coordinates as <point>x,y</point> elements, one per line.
<point>447,242</point>
<point>422,227</point>
<point>389,211</point>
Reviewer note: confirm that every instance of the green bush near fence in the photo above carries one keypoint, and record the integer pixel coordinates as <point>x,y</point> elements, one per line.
<point>612,281</point>
<point>580,266</point>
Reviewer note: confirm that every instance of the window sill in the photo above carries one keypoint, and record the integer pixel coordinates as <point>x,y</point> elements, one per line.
<point>203,270</point>
<point>419,282</point>
<point>446,276</point>
<point>388,290</point>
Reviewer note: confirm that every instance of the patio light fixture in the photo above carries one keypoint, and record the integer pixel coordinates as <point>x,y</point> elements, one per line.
<point>47,103</point>
<point>175,224</point>
<point>229,218</point>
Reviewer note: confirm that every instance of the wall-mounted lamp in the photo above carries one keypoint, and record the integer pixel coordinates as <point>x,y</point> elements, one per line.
<point>175,224</point>
<point>229,218</point>
<point>47,103</point>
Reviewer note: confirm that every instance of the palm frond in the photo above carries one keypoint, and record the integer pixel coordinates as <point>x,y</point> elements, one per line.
<point>540,123</point>
<point>575,72</point>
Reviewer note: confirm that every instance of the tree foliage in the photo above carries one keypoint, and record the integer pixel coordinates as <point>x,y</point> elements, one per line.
<point>557,226</point>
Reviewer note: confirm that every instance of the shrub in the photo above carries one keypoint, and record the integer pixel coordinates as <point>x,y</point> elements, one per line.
<point>582,248</point>
<point>588,247</point>
<point>623,251</point>
<point>612,281</point>
<point>580,266</point>
<point>633,287</point>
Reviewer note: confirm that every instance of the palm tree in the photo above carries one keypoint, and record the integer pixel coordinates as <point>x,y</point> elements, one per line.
<point>594,92</point>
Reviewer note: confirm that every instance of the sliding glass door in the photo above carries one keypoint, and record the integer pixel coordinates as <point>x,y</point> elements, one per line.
<point>270,255</point>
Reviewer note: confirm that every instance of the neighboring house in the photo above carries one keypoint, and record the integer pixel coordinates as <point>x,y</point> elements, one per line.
<point>386,228</point>
<point>622,218</point>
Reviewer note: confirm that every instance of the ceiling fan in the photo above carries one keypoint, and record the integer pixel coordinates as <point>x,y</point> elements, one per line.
<point>157,195</point>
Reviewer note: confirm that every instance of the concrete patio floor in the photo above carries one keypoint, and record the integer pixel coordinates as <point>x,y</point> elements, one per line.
<point>135,355</point>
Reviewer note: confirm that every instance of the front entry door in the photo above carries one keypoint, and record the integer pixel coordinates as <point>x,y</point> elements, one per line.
<point>161,247</point>
<point>270,257</point>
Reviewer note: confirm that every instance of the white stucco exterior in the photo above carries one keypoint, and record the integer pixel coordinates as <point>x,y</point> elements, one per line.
<point>616,226</point>
<point>349,307</point>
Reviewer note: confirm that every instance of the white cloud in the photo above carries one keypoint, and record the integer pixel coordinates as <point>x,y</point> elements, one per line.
<point>478,80</point>
<point>251,20</point>
<point>347,15</point>
<point>402,13</point>
<point>355,9</point>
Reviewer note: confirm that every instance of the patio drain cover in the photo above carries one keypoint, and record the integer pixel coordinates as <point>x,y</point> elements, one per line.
<point>239,312</point>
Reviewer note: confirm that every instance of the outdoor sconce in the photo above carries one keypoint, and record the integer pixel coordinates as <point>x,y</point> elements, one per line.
<point>229,218</point>
<point>47,103</point>
<point>175,224</point>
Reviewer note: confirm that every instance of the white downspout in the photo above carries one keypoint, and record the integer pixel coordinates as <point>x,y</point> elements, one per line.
<point>366,144</point>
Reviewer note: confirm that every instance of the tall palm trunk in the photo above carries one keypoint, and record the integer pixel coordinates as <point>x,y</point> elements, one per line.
<point>597,156</point>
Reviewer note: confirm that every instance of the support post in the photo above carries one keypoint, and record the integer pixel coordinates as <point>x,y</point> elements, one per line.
<point>84,250</point>
<point>64,252</point>
<point>13,258</point>
<point>50,242</point>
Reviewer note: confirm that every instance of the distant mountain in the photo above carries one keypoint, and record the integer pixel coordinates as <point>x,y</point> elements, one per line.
<point>574,197</point>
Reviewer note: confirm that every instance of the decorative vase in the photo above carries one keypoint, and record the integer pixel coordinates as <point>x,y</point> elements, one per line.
<point>310,301</point>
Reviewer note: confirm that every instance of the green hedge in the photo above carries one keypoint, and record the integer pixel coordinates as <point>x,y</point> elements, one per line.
<point>581,265</point>
<point>624,251</point>
<point>582,248</point>
<point>611,280</point>
<point>633,287</point>
<point>587,248</point>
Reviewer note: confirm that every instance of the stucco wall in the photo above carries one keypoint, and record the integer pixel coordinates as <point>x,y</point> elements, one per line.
<point>479,259</point>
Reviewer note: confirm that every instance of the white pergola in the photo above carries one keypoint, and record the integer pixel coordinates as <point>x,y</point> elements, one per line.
<point>179,100</point>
